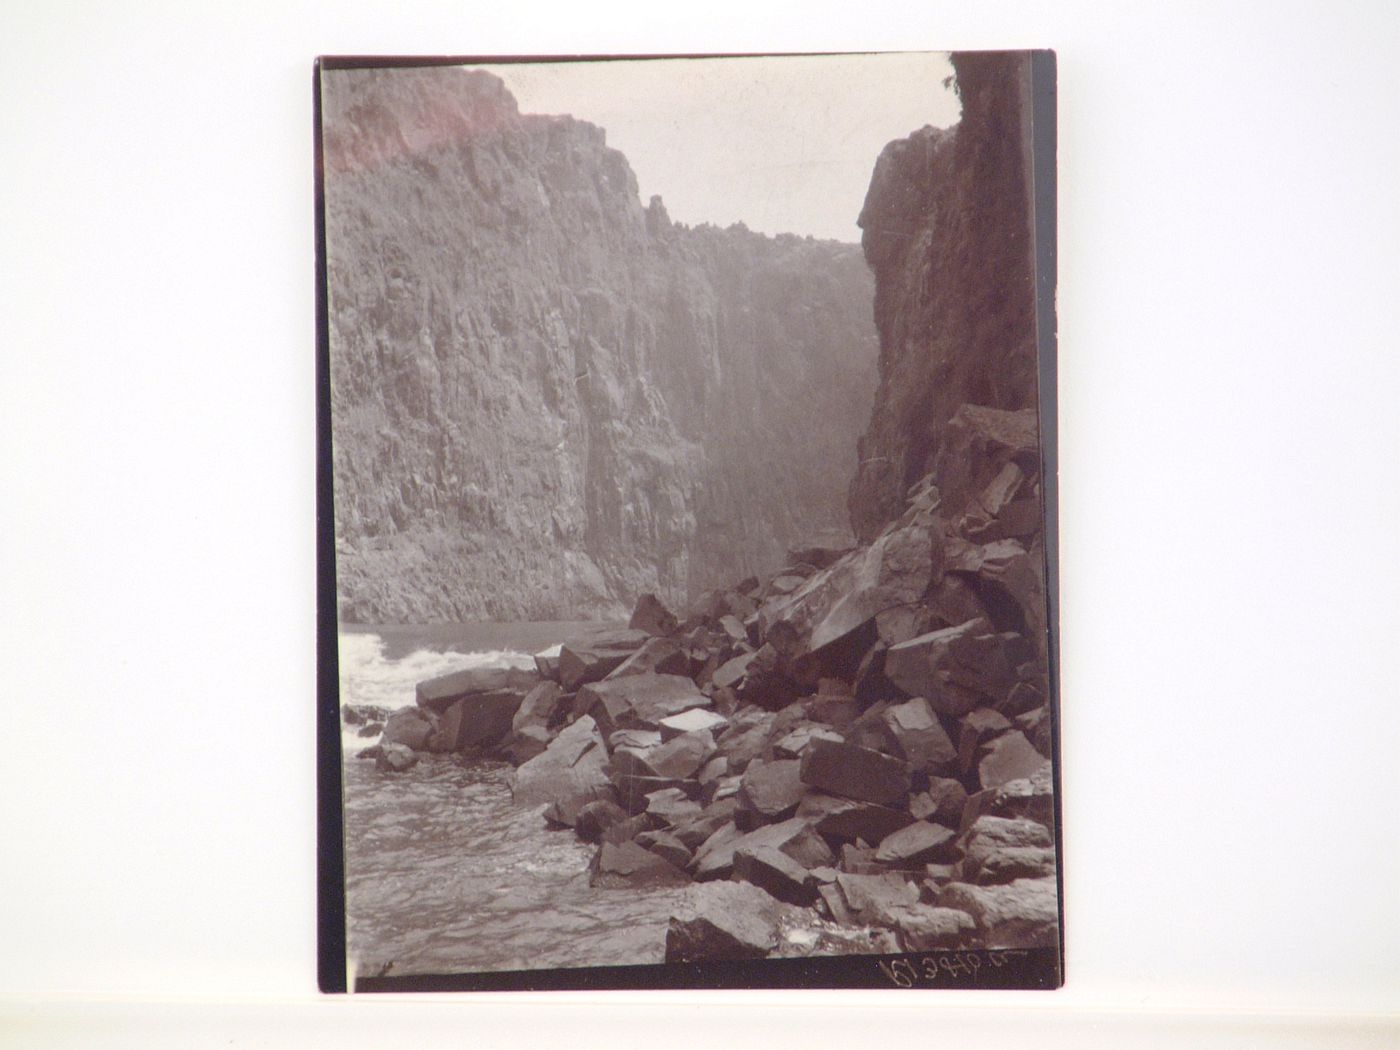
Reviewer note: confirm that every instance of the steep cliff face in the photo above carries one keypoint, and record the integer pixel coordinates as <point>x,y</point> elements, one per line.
<point>547,398</point>
<point>947,233</point>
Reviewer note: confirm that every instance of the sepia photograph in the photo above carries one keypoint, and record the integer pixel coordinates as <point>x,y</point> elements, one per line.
<point>687,546</point>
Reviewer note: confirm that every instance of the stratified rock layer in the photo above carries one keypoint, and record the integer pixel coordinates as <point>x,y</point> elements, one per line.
<point>547,398</point>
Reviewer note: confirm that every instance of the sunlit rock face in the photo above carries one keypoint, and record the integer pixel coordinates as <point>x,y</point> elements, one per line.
<point>548,398</point>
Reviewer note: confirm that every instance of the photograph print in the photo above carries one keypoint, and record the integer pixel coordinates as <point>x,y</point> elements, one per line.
<point>687,533</point>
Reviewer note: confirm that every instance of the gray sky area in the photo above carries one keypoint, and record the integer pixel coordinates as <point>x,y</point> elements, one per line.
<point>785,145</point>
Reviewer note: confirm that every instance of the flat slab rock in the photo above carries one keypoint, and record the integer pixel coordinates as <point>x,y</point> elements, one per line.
<point>591,660</point>
<point>723,920</point>
<point>918,844</point>
<point>574,765</point>
<point>925,927</point>
<point>794,837</point>
<point>640,701</point>
<point>438,694</point>
<point>776,873</point>
<point>691,721</point>
<point>627,864</point>
<point>855,772</point>
<point>1009,757</point>
<point>845,818</point>
<point>876,899</point>
<point>1020,914</point>
<point>1032,797</point>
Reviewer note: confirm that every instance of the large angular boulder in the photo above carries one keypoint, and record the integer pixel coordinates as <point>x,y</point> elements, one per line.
<point>770,791</point>
<point>1009,757</point>
<point>656,656</point>
<point>1036,725</point>
<point>918,737</point>
<point>874,899</point>
<point>1019,914</point>
<point>926,927</point>
<point>1000,850</point>
<point>621,865</point>
<point>438,694</point>
<point>480,720</point>
<point>893,570</point>
<point>714,859</point>
<point>1032,797</point>
<point>538,706</point>
<point>918,844</point>
<point>855,772</point>
<point>547,666</point>
<point>592,659</point>
<point>651,616</point>
<point>410,727</point>
<point>1007,864</point>
<point>723,921</point>
<point>730,674</point>
<point>957,669</point>
<point>665,845</point>
<point>573,766</point>
<point>679,758</point>
<point>776,873</point>
<point>1007,831</point>
<point>977,444</point>
<point>526,744</point>
<point>844,818</point>
<point>640,701</point>
<point>717,815</point>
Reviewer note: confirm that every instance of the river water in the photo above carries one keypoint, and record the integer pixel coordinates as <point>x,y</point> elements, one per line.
<point>444,874</point>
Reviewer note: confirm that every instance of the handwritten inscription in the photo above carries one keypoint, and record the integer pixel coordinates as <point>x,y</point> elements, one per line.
<point>946,968</point>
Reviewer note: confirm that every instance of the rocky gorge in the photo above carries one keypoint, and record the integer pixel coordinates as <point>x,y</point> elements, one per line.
<point>861,737</point>
<point>547,397</point>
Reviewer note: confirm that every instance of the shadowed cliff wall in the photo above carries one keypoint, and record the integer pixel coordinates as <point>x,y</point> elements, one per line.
<point>946,230</point>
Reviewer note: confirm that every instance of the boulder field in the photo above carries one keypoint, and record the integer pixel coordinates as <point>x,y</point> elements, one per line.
<point>867,740</point>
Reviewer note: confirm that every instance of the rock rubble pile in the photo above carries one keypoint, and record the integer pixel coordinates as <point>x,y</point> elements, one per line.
<point>865,734</point>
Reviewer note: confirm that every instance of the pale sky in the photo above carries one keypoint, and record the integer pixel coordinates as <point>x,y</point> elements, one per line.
<point>785,145</point>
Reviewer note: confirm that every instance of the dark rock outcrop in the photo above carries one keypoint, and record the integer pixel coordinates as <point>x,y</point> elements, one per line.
<point>548,398</point>
<point>947,232</point>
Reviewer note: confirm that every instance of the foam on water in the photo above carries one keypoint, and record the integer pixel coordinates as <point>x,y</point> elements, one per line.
<point>368,676</point>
